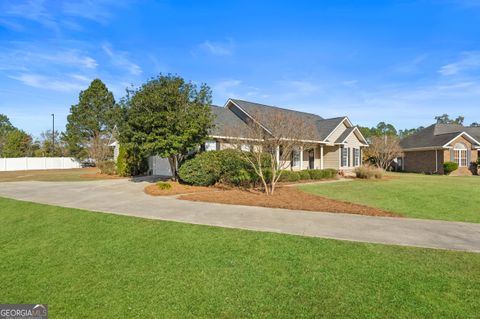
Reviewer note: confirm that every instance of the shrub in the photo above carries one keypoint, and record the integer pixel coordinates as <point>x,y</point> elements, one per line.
<point>234,169</point>
<point>304,175</point>
<point>242,177</point>
<point>449,167</point>
<point>164,186</point>
<point>106,167</point>
<point>225,166</point>
<point>322,173</point>
<point>202,170</point>
<point>122,166</point>
<point>379,173</point>
<point>289,176</point>
<point>368,172</point>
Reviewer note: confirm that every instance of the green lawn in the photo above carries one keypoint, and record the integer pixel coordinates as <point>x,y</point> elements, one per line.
<point>412,195</point>
<point>53,175</point>
<point>95,265</point>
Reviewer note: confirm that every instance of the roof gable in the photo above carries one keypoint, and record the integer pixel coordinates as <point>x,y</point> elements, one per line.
<point>323,127</point>
<point>438,136</point>
<point>349,131</point>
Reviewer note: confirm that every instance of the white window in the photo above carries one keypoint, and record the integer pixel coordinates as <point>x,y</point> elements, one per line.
<point>460,154</point>
<point>344,156</point>
<point>356,157</point>
<point>210,146</point>
<point>296,157</point>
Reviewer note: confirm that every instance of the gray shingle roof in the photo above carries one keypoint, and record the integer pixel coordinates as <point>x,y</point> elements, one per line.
<point>437,135</point>
<point>224,122</point>
<point>326,126</point>
<point>474,132</point>
<point>323,126</point>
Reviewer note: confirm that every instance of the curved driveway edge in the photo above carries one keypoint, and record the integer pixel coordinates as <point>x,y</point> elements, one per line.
<point>127,198</point>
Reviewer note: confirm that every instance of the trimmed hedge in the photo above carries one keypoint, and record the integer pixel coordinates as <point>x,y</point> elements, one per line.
<point>230,167</point>
<point>289,176</point>
<point>315,174</point>
<point>449,167</point>
<point>323,173</point>
<point>304,175</point>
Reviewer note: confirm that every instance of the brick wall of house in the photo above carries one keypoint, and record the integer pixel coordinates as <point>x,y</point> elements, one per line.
<point>423,161</point>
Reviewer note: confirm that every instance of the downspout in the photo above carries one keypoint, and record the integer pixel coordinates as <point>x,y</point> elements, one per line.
<point>436,160</point>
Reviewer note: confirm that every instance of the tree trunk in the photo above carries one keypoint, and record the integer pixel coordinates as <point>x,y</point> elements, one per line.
<point>172,160</point>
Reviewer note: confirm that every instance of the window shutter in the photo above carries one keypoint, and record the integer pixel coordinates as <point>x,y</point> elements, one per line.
<point>452,155</point>
<point>469,157</point>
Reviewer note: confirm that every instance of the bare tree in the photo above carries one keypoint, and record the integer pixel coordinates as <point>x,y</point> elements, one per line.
<point>383,150</point>
<point>99,149</point>
<point>269,140</point>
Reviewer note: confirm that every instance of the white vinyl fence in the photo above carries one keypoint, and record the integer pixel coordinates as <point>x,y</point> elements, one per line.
<point>33,163</point>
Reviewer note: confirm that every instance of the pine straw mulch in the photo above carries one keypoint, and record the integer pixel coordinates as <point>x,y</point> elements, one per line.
<point>176,189</point>
<point>287,198</point>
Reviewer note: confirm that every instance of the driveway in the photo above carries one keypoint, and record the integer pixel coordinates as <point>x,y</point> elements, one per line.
<point>127,198</point>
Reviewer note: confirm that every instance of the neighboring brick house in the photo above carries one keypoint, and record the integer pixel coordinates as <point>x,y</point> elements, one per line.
<point>427,150</point>
<point>336,142</point>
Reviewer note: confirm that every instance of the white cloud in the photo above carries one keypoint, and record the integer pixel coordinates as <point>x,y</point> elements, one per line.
<point>121,59</point>
<point>34,10</point>
<point>57,15</point>
<point>218,48</point>
<point>301,86</point>
<point>467,62</point>
<point>232,88</point>
<point>21,56</point>
<point>71,83</point>
<point>411,66</point>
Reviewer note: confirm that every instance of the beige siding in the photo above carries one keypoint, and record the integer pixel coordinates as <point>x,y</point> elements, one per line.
<point>338,131</point>
<point>317,157</point>
<point>353,141</point>
<point>331,157</point>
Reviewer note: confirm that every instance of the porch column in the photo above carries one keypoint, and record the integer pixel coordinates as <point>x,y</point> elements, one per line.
<point>277,156</point>
<point>301,157</point>
<point>321,156</point>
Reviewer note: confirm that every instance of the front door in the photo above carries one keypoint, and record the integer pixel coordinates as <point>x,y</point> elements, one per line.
<point>311,159</point>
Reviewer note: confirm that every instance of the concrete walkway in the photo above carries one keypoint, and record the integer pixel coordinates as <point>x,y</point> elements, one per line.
<point>127,198</point>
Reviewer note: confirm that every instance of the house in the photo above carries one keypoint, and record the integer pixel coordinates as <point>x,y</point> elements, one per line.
<point>427,150</point>
<point>333,143</point>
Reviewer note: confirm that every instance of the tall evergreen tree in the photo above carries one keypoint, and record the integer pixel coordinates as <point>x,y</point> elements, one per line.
<point>5,128</point>
<point>17,144</point>
<point>168,117</point>
<point>91,122</point>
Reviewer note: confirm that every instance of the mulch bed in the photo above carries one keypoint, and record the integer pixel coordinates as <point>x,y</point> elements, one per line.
<point>176,189</point>
<point>287,198</point>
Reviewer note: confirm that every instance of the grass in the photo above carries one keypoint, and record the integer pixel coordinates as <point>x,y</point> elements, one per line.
<point>56,175</point>
<point>412,195</point>
<point>95,265</point>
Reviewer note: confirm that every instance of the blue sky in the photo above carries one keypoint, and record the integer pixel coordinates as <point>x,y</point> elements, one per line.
<point>397,61</point>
